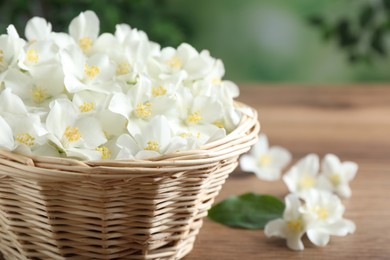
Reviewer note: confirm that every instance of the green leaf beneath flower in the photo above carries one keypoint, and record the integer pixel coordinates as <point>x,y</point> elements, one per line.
<point>249,210</point>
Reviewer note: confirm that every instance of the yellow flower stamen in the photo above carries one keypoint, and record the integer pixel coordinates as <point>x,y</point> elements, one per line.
<point>85,43</point>
<point>189,134</point>
<point>306,182</point>
<point>216,81</point>
<point>32,55</point>
<point>219,123</point>
<point>72,134</point>
<point>91,71</point>
<point>159,91</point>
<point>25,138</point>
<point>152,146</point>
<point>123,68</point>
<point>174,62</point>
<point>264,160</point>
<point>322,213</point>
<point>143,110</point>
<point>1,56</point>
<point>39,94</point>
<point>295,225</point>
<point>105,152</point>
<point>87,106</point>
<point>194,118</point>
<point>335,179</point>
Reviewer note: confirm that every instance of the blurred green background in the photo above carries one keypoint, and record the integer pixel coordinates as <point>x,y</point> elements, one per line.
<point>281,41</point>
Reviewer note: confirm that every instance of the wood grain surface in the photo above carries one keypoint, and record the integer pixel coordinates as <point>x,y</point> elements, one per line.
<point>352,122</point>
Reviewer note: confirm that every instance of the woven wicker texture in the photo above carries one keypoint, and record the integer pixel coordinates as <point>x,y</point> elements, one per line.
<point>53,208</point>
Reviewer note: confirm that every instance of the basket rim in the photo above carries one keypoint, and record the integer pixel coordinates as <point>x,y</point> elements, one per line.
<point>209,155</point>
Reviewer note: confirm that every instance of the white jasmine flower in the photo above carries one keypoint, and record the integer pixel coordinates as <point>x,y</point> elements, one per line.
<point>28,133</point>
<point>140,104</point>
<point>214,80</point>
<point>85,29</point>
<point>89,102</point>
<point>336,175</point>
<point>323,212</point>
<point>87,73</point>
<point>303,175</point>
<point>77,137</point>
<point>37,90</point>
<point>198,135</point>
<point>37,54</point>
<point>20,130</point>
<point>156,139</point>
<point>200,110</point>
<point>183,59</point>
<point>291,227</point>
<point>266,162</point>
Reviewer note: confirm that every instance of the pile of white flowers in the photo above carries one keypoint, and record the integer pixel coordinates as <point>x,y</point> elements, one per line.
<point>108,96</point>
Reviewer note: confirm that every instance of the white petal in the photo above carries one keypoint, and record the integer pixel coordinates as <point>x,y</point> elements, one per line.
<point>113,124</point>
<point>91,132</point>
<point>279,156</point>
<point>176,144</point>
<point>85,25</point>
<point>62,114</point>
<point>37,28</point>
<point>292,207</point>
<point>267,173</point>
<point>6,136</point>
<point>73,84</point>
<point>11,31</point>
<point>342,227</point>
<point>127,146</point>
<point>248,163</point>
<point>232,87</point>
<point>11,103</point>
<point>73,62</point>
<point>295,242</point>
<point>84,154</point>
<point>309,165</point>
<point>276,228</point>
<point>261,147</point>
<point>350,169</point>
<point>331,164</point>
<point>291,179</point>
<point>146,154</point>
<point>46,150</point>
<point>344,191</point>
<point>158,130</point>
<point>318,237</point>
<point>121,104</point>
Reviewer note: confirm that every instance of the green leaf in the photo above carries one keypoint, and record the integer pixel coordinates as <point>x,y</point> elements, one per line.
<point>249,210</point>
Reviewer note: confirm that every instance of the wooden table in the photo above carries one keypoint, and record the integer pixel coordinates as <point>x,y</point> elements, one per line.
<point>352,122</point>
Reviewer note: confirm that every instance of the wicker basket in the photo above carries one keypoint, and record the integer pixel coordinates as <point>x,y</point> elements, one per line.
<point>53,208</point>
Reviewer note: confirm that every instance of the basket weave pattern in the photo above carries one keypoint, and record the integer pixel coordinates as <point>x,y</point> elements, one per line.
<point>53,208</point>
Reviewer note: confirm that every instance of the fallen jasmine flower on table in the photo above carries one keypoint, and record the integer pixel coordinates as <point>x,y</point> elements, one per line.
<point>336,175</point>
<point>292,226</point>
<point>319,215</point>
<point>303,175</point>
<point>266,162</point>
<point>323,213</point>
